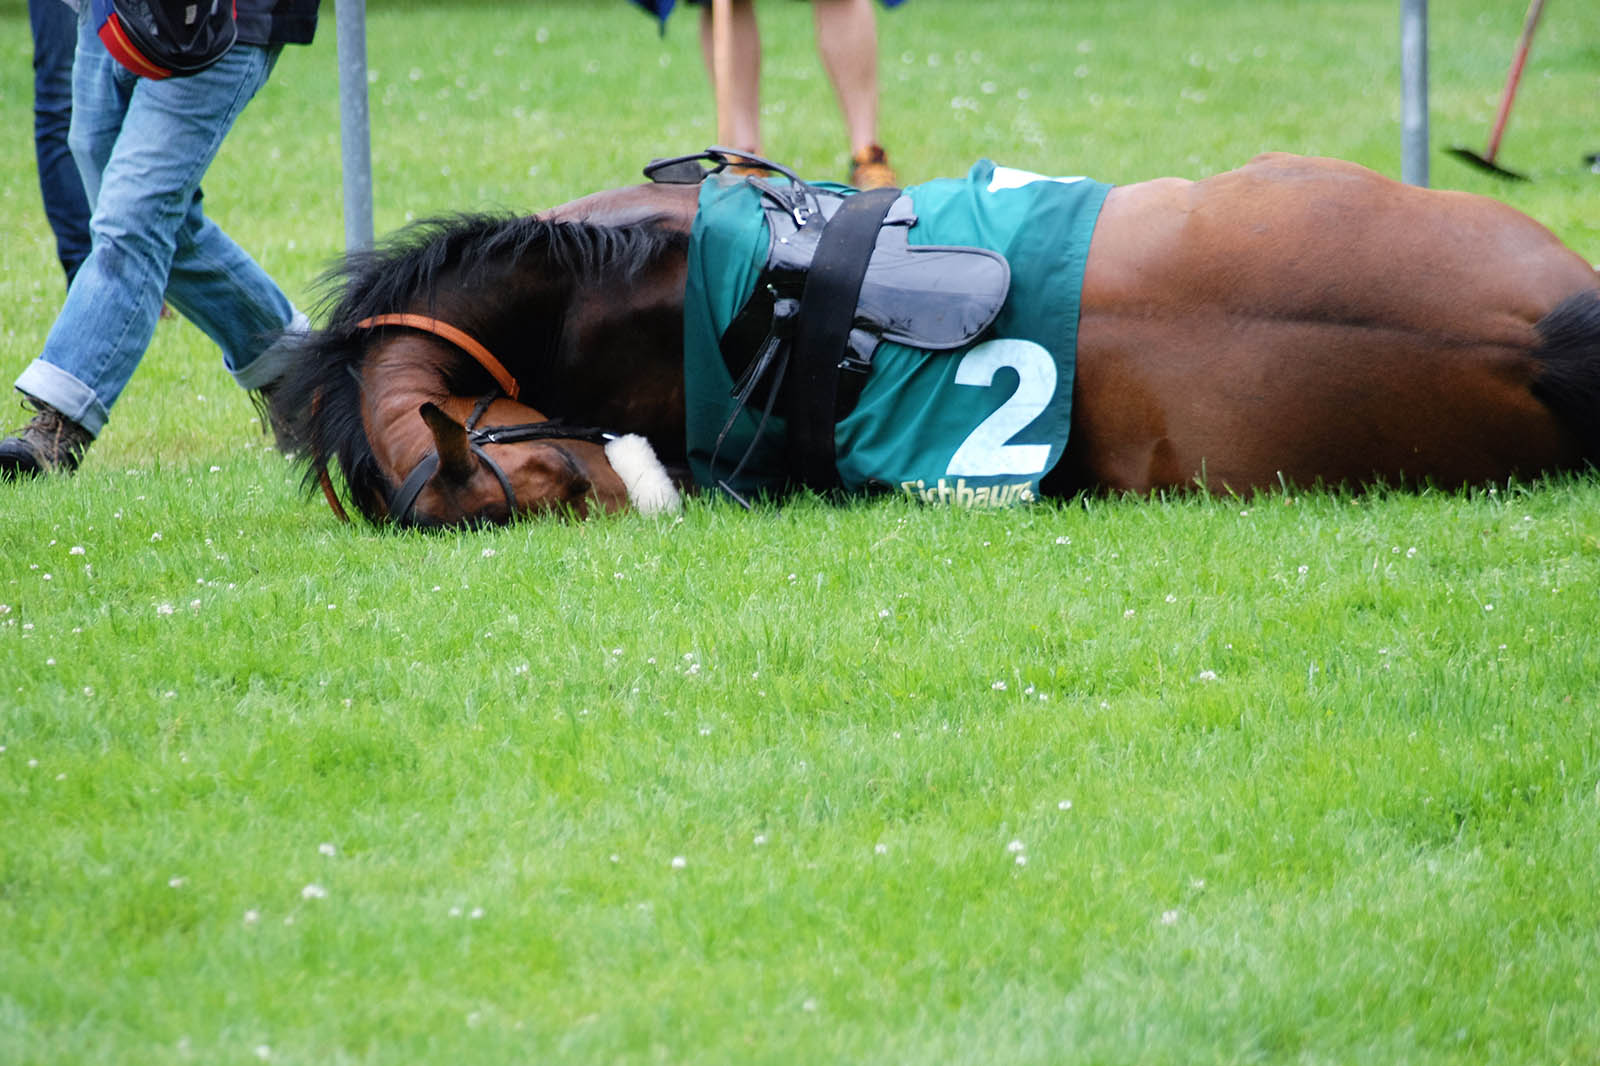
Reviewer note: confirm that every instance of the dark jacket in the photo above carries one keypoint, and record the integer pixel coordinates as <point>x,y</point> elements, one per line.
<point>276,21</point>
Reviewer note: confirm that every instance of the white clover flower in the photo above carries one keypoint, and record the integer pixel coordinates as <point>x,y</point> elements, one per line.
<point>76,549</point>
<point>177,882</point>
<point>313,891</point>
<point>1207,675</point>
<point>679,862</point>
<point>998,686</point>
<point>1169,917</point>
<point>489,553</point>
<point>251,917</point>
<point>880,849</point>
<point>327,849</point>
<point>1064,805</point>
<point>1016,846</point>
<point>164,608</point>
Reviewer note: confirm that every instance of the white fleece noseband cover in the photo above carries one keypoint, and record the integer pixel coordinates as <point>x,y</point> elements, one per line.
<point>650,490</point>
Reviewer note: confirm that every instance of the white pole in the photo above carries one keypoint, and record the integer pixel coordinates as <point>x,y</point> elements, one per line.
<point>355,133</point>
<point>1414,92</point>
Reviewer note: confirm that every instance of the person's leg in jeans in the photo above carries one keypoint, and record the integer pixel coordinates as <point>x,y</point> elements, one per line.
<point>55,38</point>
<point>142,147</point>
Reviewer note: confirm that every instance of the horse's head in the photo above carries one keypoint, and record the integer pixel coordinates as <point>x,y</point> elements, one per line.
<point>493,460</point>
<point>580,306</point>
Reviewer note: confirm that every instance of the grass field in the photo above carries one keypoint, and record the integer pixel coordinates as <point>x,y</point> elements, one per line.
<point>1299,778</point>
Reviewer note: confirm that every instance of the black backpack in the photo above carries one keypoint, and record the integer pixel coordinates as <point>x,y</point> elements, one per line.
<point>165,38</point>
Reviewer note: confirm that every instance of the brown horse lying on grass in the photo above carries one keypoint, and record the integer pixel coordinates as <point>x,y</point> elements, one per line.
<point>1295,321</point>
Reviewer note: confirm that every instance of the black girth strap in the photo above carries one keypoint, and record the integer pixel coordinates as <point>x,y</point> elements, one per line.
<point>827,313</point>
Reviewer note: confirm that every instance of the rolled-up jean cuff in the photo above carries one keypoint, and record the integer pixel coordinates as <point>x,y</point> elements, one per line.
<point>269,366</point>
<point>49,384</point>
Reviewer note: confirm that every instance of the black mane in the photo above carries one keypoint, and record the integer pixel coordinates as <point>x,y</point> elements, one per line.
<point>463,260</point>
<point>409,264</point>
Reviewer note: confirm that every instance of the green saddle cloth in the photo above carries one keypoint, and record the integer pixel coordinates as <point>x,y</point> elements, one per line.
<point>977,426</point>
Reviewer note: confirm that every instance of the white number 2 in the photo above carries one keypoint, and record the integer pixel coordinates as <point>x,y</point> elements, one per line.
<point>985,452</point>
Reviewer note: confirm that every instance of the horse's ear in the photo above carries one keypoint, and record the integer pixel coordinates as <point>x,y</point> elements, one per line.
<point>450,441</point>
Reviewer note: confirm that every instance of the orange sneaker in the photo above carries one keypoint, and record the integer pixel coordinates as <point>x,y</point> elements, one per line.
<point>870,169</point>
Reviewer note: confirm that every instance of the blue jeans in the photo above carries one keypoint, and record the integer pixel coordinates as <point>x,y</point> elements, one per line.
<point>54,37</point>
<point>142,147</point>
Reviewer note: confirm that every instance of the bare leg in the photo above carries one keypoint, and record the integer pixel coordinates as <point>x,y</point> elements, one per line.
<point>745,121</point>
<point>847,38</point>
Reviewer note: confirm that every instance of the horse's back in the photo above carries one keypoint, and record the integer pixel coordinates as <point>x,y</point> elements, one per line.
<point>1310,320</point>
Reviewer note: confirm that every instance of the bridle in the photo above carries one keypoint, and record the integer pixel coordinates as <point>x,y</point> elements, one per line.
<point>403,501</point>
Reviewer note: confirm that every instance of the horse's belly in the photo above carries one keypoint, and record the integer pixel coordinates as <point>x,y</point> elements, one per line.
<point>1308,320</point>
<point>1241,409</point>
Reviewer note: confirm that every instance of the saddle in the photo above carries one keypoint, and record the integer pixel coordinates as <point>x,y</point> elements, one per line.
<point>840,278</point>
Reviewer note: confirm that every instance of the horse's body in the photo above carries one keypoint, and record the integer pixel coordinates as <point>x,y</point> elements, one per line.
<point>1295,321</point>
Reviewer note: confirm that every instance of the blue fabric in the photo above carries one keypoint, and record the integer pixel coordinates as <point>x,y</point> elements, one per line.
<point>142,147</point>
<point>55,34</point>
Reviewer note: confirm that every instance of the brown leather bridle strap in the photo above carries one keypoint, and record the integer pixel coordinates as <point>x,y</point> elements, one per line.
<point>322,469</point>
<point>460,339</point>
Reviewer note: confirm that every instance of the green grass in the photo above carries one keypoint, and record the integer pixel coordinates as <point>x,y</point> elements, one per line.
<point>1296,778</point>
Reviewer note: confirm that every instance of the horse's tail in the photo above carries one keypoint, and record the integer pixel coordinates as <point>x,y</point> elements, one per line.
<point>1568,381</point>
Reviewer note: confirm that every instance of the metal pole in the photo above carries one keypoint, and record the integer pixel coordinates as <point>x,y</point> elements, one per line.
<point>1414,92</point>
<point>354,126</point>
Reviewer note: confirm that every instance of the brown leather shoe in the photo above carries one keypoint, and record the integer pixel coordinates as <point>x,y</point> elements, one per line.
<point>275,420</point>
<point>51,443</point>
<point>870,169</point>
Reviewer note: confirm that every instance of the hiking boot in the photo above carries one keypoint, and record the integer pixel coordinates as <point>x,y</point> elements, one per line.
<point>277,421</point>
<point>870,169</point>
<point>51,443</point>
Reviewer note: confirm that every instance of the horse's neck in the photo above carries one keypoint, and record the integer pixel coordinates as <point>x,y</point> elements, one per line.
<point>621,358</point>
<point>621,362</point>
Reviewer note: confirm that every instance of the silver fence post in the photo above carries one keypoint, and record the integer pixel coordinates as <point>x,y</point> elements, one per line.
<point>354,125</point>
<point>1414,92</point>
